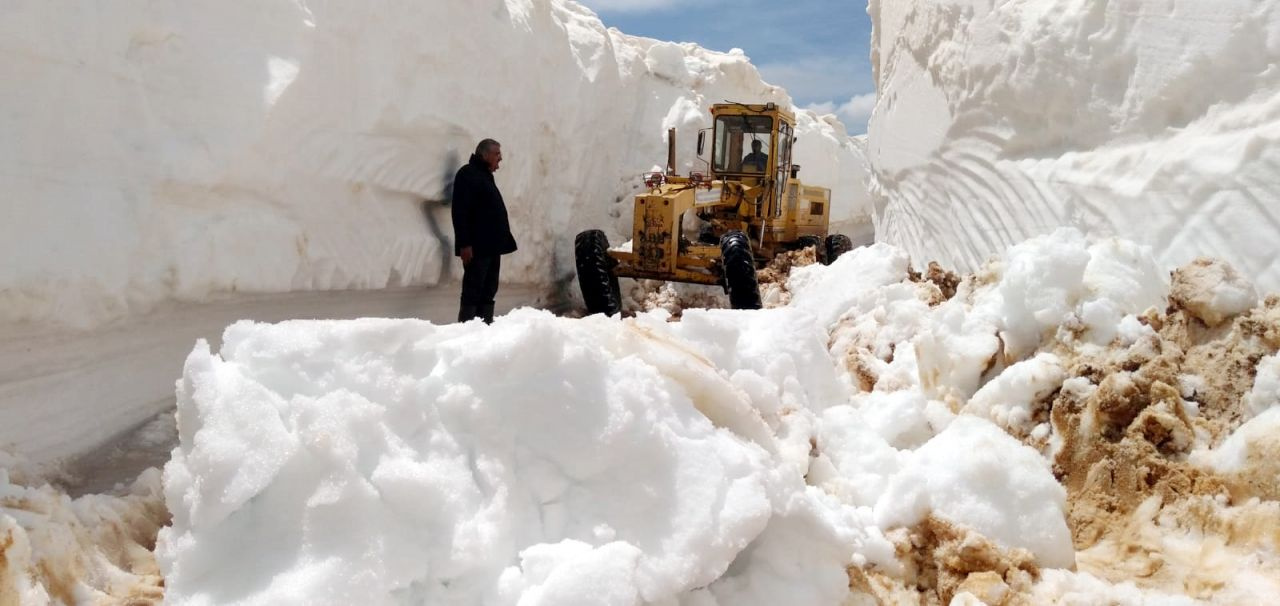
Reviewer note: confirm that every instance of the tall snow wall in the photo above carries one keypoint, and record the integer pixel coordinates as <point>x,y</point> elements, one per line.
<point>173,150</point>
<point>1157,121</point>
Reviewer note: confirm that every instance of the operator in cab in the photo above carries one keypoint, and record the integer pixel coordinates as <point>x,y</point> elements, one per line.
<point>757,160</point>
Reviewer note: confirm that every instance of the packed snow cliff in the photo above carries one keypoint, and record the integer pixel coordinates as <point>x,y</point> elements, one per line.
<point>1067,424</point>
<point>185,150</point>
<point>1155,121</point>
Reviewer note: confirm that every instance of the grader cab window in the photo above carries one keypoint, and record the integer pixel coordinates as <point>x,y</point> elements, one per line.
<point>743,144</point>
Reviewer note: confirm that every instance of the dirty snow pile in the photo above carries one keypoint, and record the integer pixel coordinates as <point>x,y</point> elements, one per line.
<point>163,151</point>
<point>93,549</point>
<point>875,438</point>
<point>1155,121</point>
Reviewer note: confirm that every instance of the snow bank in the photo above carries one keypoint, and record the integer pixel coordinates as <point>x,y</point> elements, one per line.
<point>178,150</point>
<point>545,459</point>
<point>1154,121</point>
<point>873,437</point>
<point>963,476</point>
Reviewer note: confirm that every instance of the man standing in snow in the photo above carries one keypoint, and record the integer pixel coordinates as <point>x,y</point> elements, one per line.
<point>481,231</point>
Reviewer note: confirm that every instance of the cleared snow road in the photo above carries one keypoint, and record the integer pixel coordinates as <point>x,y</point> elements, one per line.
<point>65,393</point>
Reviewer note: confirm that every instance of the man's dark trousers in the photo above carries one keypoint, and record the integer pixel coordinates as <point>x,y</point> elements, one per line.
<point>479,287</point>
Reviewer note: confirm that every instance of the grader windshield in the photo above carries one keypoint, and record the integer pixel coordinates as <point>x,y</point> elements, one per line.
<point>743,144</point>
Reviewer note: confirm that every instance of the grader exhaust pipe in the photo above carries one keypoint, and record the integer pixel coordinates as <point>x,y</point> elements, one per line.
<point>671,152</point>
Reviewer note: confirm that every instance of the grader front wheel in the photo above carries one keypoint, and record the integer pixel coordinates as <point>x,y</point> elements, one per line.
<point>595,273</point>
<point>739,271</point>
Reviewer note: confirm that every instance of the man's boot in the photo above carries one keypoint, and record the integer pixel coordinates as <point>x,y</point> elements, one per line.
<point>468,312</point>
<point>486,312</point>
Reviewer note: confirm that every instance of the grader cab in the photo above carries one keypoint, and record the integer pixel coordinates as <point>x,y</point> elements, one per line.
<point>750,207</point>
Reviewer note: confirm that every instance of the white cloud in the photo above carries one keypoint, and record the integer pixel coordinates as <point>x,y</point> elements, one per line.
<point>858,109</point>
<point>822,109</point>
<point>854,113</point>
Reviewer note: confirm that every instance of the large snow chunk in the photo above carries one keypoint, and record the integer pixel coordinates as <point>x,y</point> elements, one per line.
<point>1250,457</point>
<point>1014,397</point>
<point>1265,393</point>
<point>397,460</point>
<point>779,348</point>
<point>1125,280</point>
<point>1048,283</point>
<point>849,285</point>
<point>978,476</point>
<point>1212,291</point>
<point>1041,284</point>
<point>797,560</point>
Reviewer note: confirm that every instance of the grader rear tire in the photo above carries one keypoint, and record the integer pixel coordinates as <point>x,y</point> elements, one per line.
<point>837,244</point>
<point>740,271</point>
<point>595,273</point>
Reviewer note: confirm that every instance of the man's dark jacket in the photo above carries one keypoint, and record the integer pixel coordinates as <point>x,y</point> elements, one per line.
<point>479,214</point>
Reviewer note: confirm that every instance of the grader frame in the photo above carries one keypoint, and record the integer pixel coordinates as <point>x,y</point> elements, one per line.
<point>751,206</point>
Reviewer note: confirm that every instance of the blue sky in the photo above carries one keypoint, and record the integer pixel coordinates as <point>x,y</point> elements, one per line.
<point>819,50</point>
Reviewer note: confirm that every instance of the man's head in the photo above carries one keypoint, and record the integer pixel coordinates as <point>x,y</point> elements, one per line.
<point>756,146</point>
<point>491,152</point>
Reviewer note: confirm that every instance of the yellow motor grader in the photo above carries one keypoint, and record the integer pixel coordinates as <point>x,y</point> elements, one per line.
<point>751,207</point>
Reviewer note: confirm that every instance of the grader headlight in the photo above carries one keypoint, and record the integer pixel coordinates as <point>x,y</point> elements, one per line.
<point>654,180</point>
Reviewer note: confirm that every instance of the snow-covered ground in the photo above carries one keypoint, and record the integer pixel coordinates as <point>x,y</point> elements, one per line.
<point>1064,426</point>
<point>181,150</point>
<point>903,437</point>
<point>65,395</point>
<point>1156,121</point>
